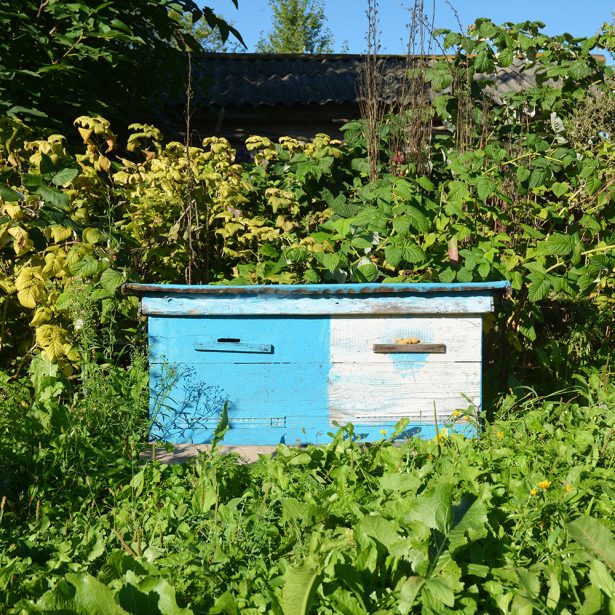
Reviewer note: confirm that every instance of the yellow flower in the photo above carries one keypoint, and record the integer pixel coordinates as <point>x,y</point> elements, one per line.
<point>499,434</point>
<point>567,488</point>
<point>533,492</point>
<point>544,484</point>
<point>456,414</point>
<point>383,432</point>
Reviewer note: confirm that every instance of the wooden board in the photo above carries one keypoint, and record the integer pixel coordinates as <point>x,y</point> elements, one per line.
<point>321,305</point>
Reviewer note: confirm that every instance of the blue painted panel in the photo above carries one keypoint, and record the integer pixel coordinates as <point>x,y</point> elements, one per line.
<point>295,340</point>
<point>271,398</point>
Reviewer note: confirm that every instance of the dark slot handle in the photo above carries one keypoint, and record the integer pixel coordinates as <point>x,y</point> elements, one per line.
<point>229,340</point>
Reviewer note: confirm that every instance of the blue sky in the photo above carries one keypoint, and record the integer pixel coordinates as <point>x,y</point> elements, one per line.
<point>347,20</point>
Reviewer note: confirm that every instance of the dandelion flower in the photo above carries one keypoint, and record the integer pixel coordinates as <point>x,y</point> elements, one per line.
<point>383,432</point>
<point>567,488</point>
<point>544,484</point>
<point>456,414</point>
<point>533,492</point>
<point>499,434</point>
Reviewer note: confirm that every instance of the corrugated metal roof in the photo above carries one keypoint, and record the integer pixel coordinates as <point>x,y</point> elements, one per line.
<point>252,80</point>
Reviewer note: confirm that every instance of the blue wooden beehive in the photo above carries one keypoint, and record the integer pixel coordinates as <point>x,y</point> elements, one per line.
<point>292,362</point>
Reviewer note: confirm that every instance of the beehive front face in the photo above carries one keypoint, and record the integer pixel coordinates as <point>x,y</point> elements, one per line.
<point>294,379</point>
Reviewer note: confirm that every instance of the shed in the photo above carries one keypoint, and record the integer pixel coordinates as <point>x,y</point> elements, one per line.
<point>294,362</point>
<point>280,94</point>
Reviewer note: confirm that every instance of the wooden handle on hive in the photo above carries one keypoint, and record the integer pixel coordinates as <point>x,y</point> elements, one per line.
<point>409,348</point>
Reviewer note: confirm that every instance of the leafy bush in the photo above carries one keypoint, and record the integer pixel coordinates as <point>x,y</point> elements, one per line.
<point>516,521</point>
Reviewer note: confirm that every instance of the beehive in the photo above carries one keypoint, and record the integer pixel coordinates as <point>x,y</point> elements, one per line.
<point>293,362</point>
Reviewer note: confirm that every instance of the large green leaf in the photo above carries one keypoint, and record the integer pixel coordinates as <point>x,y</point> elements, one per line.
<point>300,586</point>
<point>595,537</point>
<point>435,510</point>
<point>111,279</point>
<point>382,530</point>
<point>80,594</point>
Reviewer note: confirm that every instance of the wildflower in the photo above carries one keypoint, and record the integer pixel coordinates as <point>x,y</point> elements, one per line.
<point>456,414</point>
<point>533,491</point>
<point>544,484</point>
<point>567,488</point>
<point>383,432</point>
<point>499,434</point>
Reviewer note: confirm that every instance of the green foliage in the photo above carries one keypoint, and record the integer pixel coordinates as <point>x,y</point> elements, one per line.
<point>298,27</point>
<point>518,520</point>
<point>70,58</point>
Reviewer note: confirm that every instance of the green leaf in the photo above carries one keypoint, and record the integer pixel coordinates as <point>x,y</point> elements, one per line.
<point>486,187</point>
<point>440,590</point>
<point>425,183</point>
<point>539,287</point>
<point>593,184</point>
<point>393,255</point>
<point>539,176</point>
<point>595,537</point>
<point>366,270</point>
<point>483,62</point>
<point>86,267</point>
<point>558,244</point>
<point>457,192</point>
<point>9,195</point>
<point>506,57</point>
<point>469,520</point>
<point>300,585</point>
<point>81,594</point>
<point>412,253</point>
<point>560,188</point>
<point>65,176</point>
<point>523,173</point>
<point>409,593</point>
<point>600,577</point>
<point>382,530</point>
<point>434,510</point>
<point>221,428</point>
<point>150,595</point>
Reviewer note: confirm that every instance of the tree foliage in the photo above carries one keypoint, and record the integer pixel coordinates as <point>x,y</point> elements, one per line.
<point>299,26</point>
<point>118,58</point>
<point>525,196</point>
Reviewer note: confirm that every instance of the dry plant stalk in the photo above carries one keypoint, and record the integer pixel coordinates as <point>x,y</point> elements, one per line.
<point>371,82</point>
<point>462,89</point>
<point>411,113</point>
<point>195,272</point>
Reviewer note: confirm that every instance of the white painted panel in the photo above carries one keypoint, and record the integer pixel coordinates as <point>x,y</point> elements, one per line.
<point>271,305</point>
<point>377,392</point>
<point>352,338</point>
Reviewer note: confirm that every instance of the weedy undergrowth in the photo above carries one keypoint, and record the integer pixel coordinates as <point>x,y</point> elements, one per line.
<point>519,520</point>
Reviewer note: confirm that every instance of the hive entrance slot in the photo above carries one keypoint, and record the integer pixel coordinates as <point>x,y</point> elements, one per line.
<point>230,340</point>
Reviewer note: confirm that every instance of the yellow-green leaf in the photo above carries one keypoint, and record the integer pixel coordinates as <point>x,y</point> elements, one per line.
<point>51,339</point>
<point>59,233</point>
<point>30,286</point>
<point>21,240</point>
<point>91,235</point>
<point>41,316</point>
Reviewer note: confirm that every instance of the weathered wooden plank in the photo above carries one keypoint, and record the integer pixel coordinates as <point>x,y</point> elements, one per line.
<point>364,392</point>
<point>316,289</point>
<point>417,348</point>
<point>263,305</point>
<point>353,338</point>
